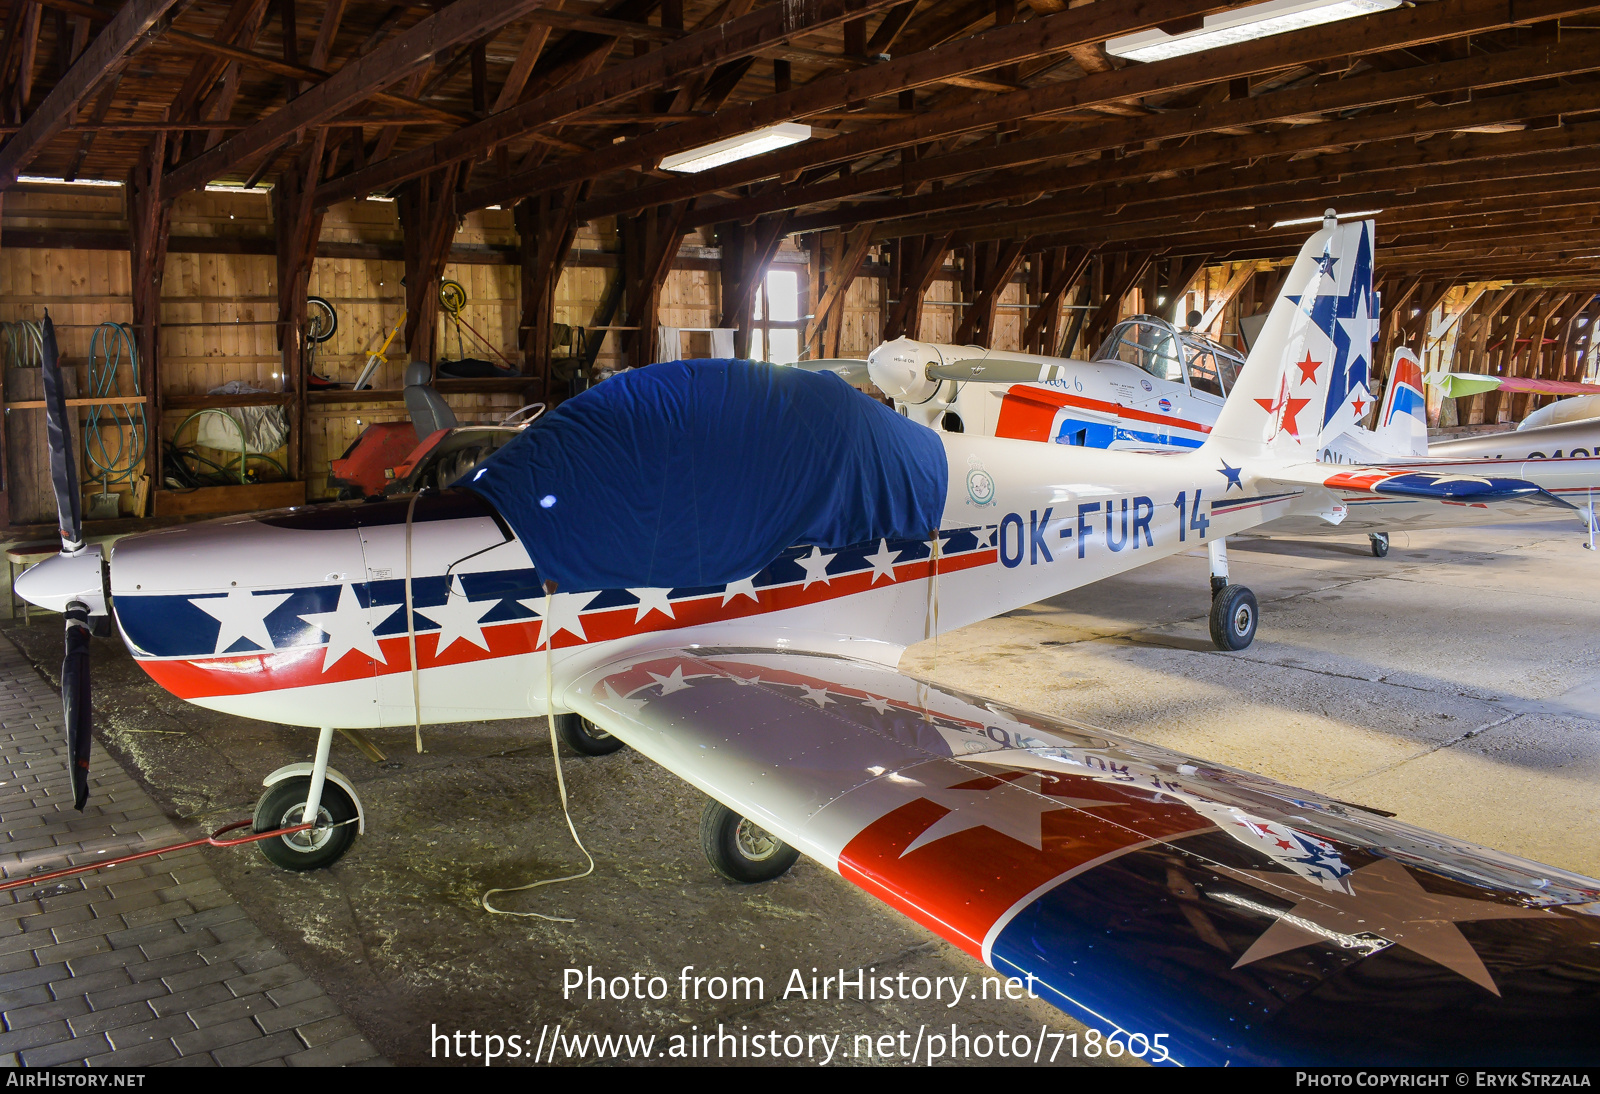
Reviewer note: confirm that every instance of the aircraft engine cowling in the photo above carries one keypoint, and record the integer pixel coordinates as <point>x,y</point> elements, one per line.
<point>900,370</point>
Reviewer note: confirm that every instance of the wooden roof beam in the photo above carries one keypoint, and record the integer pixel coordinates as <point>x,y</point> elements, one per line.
<point>1386,29</point>
<point>696,52</point>
<point>129,30</point>
<point>989,49</point>
<point>462,21</point>
<point>1347,94</point>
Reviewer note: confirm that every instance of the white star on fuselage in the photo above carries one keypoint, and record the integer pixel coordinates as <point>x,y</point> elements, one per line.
<point>745,586</point>
<point>459,618</point>
<point>816,567</point>
<point>348,627</point>
<point>241,614</point>
<point>564,614</point>
<point>883,562</point>
<point>652,600</point>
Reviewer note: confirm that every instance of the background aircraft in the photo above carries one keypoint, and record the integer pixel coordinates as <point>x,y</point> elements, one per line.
<point>731,596</point>
<point>1154,387</point>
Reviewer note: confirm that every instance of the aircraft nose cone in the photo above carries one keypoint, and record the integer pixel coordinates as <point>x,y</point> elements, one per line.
<point>55,582</point>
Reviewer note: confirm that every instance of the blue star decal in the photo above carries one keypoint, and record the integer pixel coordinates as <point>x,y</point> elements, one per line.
<point>1325,264</point>
<point>1232,475</point>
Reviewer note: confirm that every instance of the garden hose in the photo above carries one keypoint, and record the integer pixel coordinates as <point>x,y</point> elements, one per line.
<point>110,348</point>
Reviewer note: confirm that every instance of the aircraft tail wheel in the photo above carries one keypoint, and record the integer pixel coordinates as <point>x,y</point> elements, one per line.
<point>583,736</point>
<point>1233,618</point>
<point>282,806</point>
<point>1380,544</point>
<point>740,850</point>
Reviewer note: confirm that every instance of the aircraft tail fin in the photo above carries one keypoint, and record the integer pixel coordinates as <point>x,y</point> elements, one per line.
<point>1402,426</point>
<point>1311,355</point>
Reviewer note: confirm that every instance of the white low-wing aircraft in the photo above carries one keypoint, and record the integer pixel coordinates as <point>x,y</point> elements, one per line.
<point>720,563</point>
<point>1155,388</point>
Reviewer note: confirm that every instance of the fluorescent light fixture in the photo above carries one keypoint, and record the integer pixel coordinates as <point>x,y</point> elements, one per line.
<point>68,182</point>
<point>741,147</point>
<point>235,188</point>
<point>1318,220</point>
<point>1242,25</point>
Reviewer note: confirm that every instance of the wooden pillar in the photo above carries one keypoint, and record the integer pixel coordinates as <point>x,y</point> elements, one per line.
<point>650,245</point>
<point>427,226</point>
<point>751,249</point>
<point>827,318</point>
<point>149,226</point>
<point>907,309</point>
<point>996,267</point>
<point>299,224</point>
<point>545,231</point>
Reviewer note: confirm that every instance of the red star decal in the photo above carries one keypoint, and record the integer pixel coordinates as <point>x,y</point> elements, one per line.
<point>1308,369</point>
<point>1272,406</point>
<point>1359,405</point>
<point>1291,408</point>
<point>1285,844</point>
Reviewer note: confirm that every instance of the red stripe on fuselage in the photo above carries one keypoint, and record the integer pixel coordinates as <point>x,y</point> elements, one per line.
<point>246,674</point>
<point>1027,413</point>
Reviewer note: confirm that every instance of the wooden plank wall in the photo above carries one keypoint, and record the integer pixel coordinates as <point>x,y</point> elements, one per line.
<point>219,311</point>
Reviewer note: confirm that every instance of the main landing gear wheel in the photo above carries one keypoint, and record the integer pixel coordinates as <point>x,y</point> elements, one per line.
<point>583,736</point>
<point>740,850</point>
<point>1233,617</point>
<point>282,806</point>
<point>1380,544</point>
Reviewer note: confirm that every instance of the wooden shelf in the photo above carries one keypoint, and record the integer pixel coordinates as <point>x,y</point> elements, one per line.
<point>201,402</point>
<point>486,386</point>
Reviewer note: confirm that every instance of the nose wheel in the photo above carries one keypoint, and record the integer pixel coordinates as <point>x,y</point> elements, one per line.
<point>741,850</point>
<point>1380,544</point>
<point>283,806</point>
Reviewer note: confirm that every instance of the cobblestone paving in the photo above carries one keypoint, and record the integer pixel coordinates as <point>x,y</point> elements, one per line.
<point>147,963</point>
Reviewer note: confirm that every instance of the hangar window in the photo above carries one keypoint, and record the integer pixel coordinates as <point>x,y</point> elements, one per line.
<point>777,318</point>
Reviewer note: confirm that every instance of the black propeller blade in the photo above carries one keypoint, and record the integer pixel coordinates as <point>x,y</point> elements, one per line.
<point>75,704</point>
<point>75,700</point>
<point>63,465</point>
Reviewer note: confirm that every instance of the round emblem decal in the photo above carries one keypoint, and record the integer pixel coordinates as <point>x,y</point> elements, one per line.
<point>980,486</point>
<point>1146,385</point>
<point>1165,405</point>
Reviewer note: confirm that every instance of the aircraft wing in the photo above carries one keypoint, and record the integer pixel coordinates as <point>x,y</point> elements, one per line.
<point>1358,499</point>
<point>1456,384</point>
<point>1222,916</point>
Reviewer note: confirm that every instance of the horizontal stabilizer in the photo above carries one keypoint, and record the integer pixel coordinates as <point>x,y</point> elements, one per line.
<point>1432,486</point>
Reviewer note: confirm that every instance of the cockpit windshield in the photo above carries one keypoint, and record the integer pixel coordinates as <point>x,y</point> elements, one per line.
<point>1154,345</point>
<point>1145,343</point>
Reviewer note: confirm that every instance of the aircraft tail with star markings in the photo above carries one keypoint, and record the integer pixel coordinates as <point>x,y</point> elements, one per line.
<point>1311,354</point>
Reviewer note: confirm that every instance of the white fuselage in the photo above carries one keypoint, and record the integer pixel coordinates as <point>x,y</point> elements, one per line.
<point>305,625</point>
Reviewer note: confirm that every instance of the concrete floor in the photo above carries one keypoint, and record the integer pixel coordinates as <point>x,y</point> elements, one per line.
<point>1454,683</point>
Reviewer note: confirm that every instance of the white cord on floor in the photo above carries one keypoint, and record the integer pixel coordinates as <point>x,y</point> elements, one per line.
<point>561,782</point>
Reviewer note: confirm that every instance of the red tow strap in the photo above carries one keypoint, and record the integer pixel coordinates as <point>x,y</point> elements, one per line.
<point>212,840</point>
